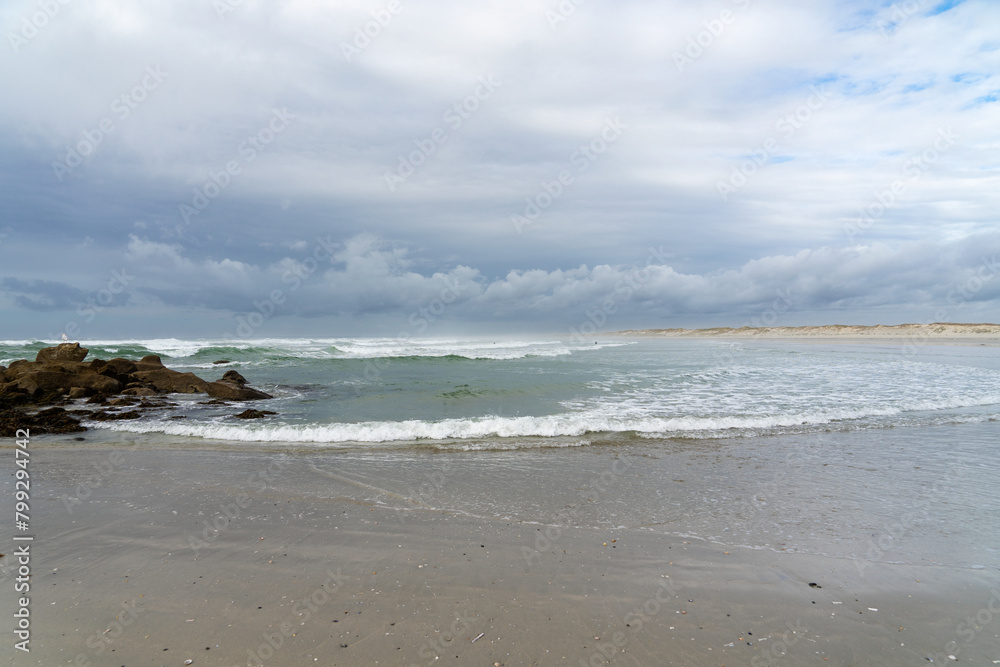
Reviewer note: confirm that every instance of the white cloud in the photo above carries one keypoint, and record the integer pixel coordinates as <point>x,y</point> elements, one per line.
<point>371,276</point>
<point>889,90</point>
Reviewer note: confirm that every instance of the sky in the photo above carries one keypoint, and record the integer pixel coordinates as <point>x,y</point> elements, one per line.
<point>252,168</point>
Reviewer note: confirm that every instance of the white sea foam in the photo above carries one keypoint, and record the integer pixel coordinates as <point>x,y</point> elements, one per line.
<point>550,426</point>
<point>353,348</point>
<point>559,390</point>
<point>375,348</point>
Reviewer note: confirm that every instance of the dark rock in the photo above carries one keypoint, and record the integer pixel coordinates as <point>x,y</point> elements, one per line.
<point>123,367</point>
<point>121,402</point>
<point>214,401</point>
<point>234,378</point>
<point>62,352</point>
<point>254,414</point>
<point>59,375</point>
<point>170,382</point>
<point>17,369</point>
<point>37,383</point>
<point>52,420</point>
<point>140,391</point>
<point>100,384</point>
<point>150,362</point>
<point>14,365</point>
<point>233,387</point>
<point>222,361</point>
<point>58,367</point>
<point>232,392</point>
<point>11,399</point>
<point>118,369</point>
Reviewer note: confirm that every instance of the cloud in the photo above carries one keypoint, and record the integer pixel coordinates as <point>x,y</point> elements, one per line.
<point>369,276</point>
<point>810,112</point>
<point>53,296</point>
<point>42,295</point>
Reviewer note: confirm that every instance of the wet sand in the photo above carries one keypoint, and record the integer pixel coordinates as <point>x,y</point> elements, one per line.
<point>553,557</point>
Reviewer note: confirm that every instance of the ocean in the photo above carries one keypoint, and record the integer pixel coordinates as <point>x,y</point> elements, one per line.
<point>870,453</point>
<point>510,394</point>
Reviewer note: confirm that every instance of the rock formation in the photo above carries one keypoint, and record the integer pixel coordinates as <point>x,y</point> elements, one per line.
<point>60,373</point>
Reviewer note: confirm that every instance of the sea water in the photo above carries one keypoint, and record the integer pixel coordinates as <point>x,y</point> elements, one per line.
<point>870,452</point>
<point>512,394</point>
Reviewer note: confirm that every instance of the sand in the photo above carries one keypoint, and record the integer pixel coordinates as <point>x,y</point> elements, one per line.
<point>907,336</point>
<point>338,558</point>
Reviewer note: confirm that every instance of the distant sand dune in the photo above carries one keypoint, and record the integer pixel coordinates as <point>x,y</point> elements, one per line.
<point>903,333</point>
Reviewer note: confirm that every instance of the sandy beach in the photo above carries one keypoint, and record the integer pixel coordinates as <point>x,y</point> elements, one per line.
<point>677,553</point>
<point>907,336</point>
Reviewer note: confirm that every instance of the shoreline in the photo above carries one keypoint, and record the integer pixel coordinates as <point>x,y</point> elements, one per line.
<point>905,335</point>
<point>239,557</point>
